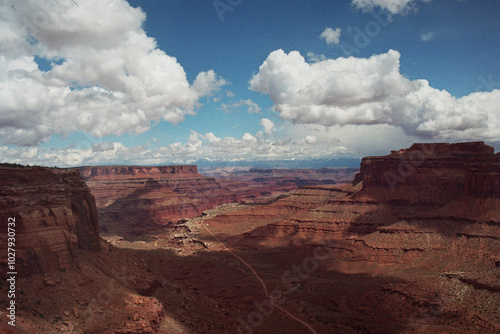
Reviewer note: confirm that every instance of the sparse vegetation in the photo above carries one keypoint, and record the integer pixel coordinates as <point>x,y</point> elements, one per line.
<point>14,165</point>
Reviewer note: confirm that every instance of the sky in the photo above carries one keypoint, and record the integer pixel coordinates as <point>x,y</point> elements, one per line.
<point>99,82</point>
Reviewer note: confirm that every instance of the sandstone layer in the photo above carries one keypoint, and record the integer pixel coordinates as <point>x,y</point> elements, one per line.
<point>55,217</point>
<point>135,200</point>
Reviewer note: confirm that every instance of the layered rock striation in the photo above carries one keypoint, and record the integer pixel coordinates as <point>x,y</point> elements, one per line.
<point>136,200</point>
<point>443,165</point>
<point>55,217</point>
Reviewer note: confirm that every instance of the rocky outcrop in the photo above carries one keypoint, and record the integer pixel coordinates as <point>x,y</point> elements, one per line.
<point>424,163</point>
<point>55,217</point>
<point>68,279</point>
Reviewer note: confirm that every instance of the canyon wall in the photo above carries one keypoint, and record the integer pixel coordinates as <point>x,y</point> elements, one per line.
<point>136,200</point>
<point>55,217</point>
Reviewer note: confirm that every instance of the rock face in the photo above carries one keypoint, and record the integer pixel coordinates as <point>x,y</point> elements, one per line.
<point>55,217</point>
<point>135,200</point>
<point>426,163</point>
<point>90,172</point>
<point>411,246</point>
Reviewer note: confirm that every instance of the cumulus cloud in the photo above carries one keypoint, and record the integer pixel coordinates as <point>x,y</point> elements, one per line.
<point>393,6</point>
<point>268,126</point>
<point>331,36</point>
<point>296,142</point>
<point>107,76</point>
<point>252,107</point>
<point>372,91</point>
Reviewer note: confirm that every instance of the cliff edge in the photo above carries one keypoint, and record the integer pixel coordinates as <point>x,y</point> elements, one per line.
<point>55,216</point>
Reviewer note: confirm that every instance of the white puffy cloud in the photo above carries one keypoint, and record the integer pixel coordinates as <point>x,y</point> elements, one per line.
<point>207,82</point>
<point>372,91</point>
<point>107,76</point>
<point>295,142</point>
<point>249,138</point>
<point>393,6</point>
<point>331,36</point>
<point>268,126</point>
<point>212,138</point>
<point>252,107</point>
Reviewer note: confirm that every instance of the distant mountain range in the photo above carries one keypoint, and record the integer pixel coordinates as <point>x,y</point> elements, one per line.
<point>313,163</point>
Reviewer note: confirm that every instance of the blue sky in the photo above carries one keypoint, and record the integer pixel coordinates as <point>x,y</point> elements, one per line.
<point>160,82</point>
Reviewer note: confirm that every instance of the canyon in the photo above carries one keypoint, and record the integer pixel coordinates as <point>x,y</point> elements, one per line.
<point>409,246</point>
<point>135,201</point>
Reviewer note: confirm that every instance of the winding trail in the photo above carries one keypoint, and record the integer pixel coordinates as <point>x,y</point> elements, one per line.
<point>260,280</point>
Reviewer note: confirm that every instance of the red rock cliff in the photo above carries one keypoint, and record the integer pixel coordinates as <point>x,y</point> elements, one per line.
<point>464,168</point>
<point>55,216</point>
<point>89,172</point>
<point>134,200</point>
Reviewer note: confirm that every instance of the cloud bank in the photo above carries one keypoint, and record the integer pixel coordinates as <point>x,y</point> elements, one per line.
<point>359,91</point>
<point>106,76</point>
<point>262,145</point>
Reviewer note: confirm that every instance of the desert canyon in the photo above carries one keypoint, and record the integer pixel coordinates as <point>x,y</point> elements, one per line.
<point>409,243</point>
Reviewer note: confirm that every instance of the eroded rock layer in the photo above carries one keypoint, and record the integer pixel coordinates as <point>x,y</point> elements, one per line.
<point>134,200</point>
<point>55,217</point>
